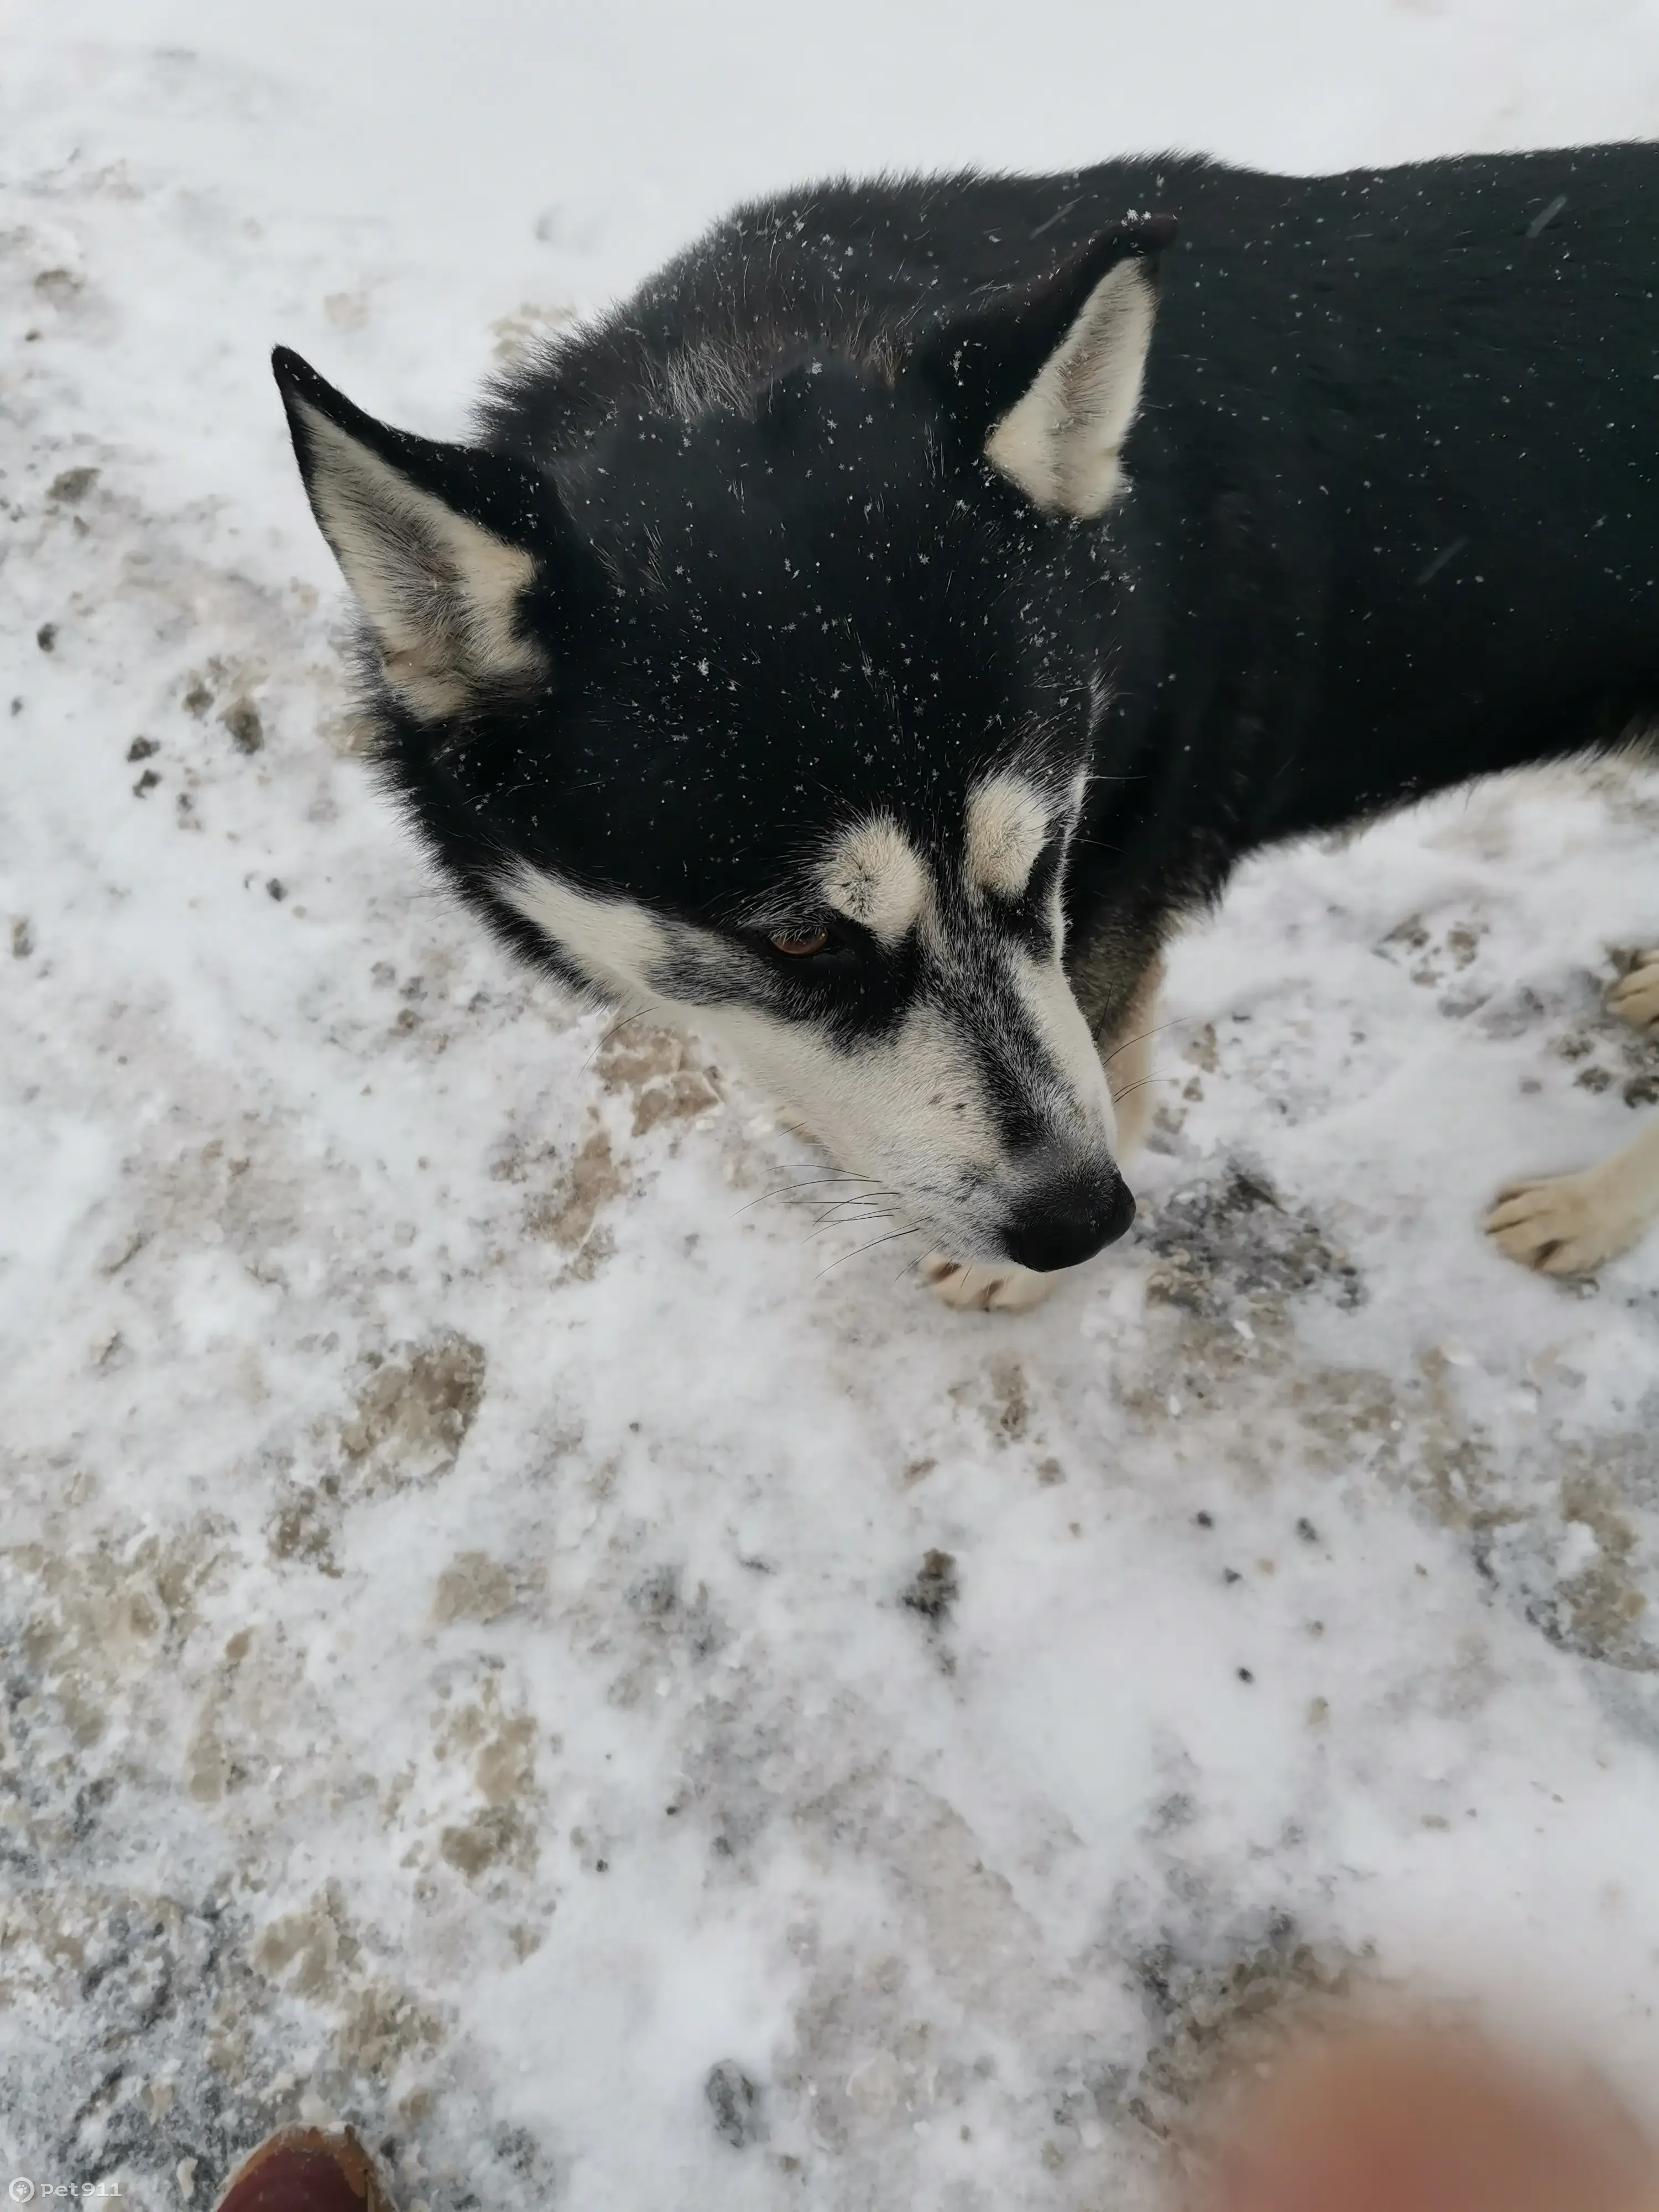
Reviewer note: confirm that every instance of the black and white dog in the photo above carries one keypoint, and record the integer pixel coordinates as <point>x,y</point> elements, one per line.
<point>868,642</point>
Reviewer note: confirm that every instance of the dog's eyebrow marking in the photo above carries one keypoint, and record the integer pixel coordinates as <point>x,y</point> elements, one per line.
<point>873,874</point>
<point>1008,826</point>
<point>612,941</point>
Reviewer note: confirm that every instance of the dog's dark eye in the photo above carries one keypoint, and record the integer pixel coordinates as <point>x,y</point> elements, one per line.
<point>799,945</point>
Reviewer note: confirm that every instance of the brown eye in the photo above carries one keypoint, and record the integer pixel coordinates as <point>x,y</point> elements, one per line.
<point>800,947</point>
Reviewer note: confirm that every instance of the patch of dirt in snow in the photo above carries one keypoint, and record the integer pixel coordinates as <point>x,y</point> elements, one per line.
<point>411,1416</point>
<point>1235,1246</point>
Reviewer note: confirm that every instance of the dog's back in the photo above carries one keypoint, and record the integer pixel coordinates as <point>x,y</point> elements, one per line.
<point>1405,262</point>
<point>1432,386</point>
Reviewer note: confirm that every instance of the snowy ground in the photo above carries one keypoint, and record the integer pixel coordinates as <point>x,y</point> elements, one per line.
<point>498,1643</point>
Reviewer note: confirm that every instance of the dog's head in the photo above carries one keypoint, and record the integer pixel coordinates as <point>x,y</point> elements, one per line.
<point>767,714</point>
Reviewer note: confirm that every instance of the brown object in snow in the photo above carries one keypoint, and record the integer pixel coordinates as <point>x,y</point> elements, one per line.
<point>306,2170</point>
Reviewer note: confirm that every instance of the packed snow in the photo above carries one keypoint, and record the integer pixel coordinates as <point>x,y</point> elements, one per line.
<point>517,1634</point>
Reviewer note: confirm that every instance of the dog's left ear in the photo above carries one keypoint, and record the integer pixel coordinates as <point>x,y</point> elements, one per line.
<point>1045,382</point>
<point>438,544</point>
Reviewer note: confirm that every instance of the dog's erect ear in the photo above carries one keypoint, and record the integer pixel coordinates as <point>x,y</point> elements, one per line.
<point>1045,382</point>
<point>435,541</point>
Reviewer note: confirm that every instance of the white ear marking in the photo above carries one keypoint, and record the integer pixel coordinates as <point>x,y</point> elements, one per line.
<point>613,942</point>
<point>440,591</point>
<point>1061,444</point>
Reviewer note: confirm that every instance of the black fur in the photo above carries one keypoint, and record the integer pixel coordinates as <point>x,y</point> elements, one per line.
<point>1391,523</point>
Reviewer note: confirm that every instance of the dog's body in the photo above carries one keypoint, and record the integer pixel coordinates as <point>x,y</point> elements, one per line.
<point>869,642</point>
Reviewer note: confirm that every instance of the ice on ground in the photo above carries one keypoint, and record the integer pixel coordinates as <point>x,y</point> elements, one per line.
<point>516,1632</point>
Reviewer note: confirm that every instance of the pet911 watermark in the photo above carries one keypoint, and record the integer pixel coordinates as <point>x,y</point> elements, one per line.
<point>22,2190</point>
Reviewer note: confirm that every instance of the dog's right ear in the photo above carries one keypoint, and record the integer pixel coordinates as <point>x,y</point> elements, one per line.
<point>1044,380</point>
<point>436,542</point>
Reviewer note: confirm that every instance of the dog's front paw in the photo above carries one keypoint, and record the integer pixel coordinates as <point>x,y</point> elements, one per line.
<point>1562,1225</point>
<point>1634,997</point>
<point>984,1286</point>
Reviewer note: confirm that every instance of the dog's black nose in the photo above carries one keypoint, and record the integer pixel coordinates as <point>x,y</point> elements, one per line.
<point>1064,1228</point>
